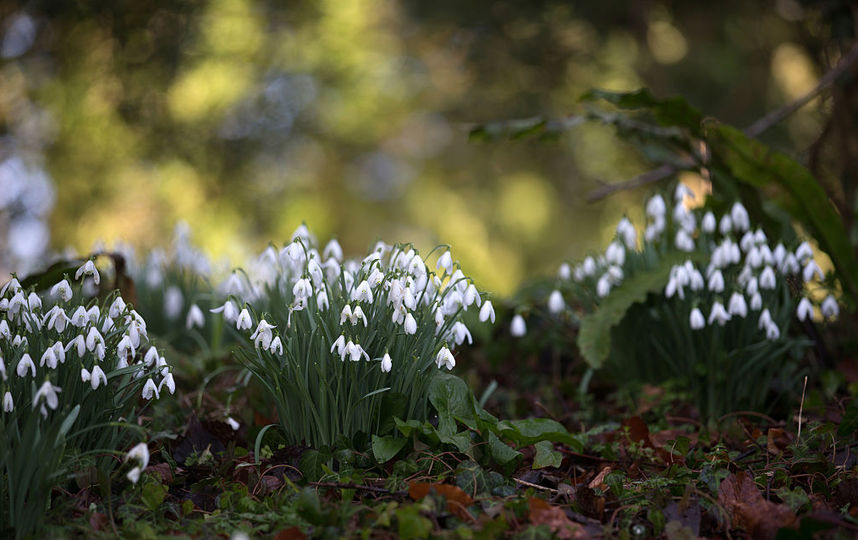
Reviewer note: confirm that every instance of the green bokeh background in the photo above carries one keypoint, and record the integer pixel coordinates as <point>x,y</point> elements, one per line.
<point>246,117</point>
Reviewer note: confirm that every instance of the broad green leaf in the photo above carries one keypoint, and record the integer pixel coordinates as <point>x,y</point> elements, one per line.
<point>412,524</point>
<point>594,336</point>
<point>310,464</point>
<point>393,405</point>
<point>546,455</point>
<point>533,430</point>
<point>52,275</point>
<point>849,424</point>
<point>384,448</point>
<point>502,453</point>
<point>451,398</point>
<point>153,494</point>
<point>674,111</point>
<point>756,164</point>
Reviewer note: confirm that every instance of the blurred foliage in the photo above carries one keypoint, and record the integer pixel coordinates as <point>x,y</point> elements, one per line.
<point>247,117</point>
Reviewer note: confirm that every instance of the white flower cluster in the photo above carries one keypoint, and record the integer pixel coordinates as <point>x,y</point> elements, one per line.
<point>391,285</point>
<point>41,343</point>
<point>742,272</point>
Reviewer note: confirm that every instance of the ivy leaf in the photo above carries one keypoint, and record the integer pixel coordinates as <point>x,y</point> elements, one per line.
<point>384,448</point>
<point>546,455</point>
<point>673,111</point>
<point>501,452</point>
<point>451,398</point>
<point>533,430</point>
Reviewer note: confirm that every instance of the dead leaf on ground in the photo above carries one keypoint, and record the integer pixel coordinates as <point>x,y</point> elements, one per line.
<point>599,480</point>
<point>457,500</point>
<point>292,533</point>
<point>748,510</point>
<point>542,513</point>
<point>777,440</point>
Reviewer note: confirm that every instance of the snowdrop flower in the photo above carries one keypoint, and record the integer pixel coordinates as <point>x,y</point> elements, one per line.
<point>555,302</point>
<point>726,224</point>
<point>276,346</point>
<point>696,319</point>
<point>756,301</point>
<point>173,301</point>
<point>773,332</point>
<point>626,231</point>
<point>20,341</point>
<point>741,220</point>
<point>445,261</point>
<point>79,344</point>
<point>778,254</point>
<point>243,321</point>
<point>169,382</point>
<point>140,454</point>
<point>695,280</point>
<point>151,356</point>
<point>767,278</point>
<point>765,319</point>
<point>232,423</point>
<point>322,300</point>
<point>333,250</point>
<point>790,264</point>
<point>829,307</point>
<point>708,223</point>
<point>362,293</point>
<point>117,307</point>
<point>589,266</point>
<point>88,269</point>
<point>754,259</point>
<point>615,254</point>
<point>684,218</point>
<point>34,302</point>
<point>195,317</point>
<point>564,272</point>
<point>603,286</point>
<point>229,309</point>
<point>339,346</point>
<point>354,352</point>
<point>386,363</point>
<point>683,241</point>
<point>98,377</point>
<point>517,327</point>
<point>805,309</point>
<point>48,392</point>
<point>302,288</point>
<point>445,358</point>
<point>716,282</point>
<point>149,389</point>
<point>12,285</point>
<point>410,325</point>
<point>719,314</point>
<point>263,334</point>
<point>459,332</point>
<point>8,404</point>
<point>49,358</point>
<point>107,326</point>
<point>25,364</point>
<point>810,269</point>
<point>487,312</point>
<point>803,252</point>
<point>653,230</point>
<point>656,207</point>
<point>124,348</point>
<point>79,318</point>
<point>737,305</point>
<point>3,369</point>
<point>471,296</point>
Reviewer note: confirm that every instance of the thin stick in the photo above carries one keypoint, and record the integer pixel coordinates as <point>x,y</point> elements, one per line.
<point>800,409</point>
<point>535,486</point>
<point>754,130</point>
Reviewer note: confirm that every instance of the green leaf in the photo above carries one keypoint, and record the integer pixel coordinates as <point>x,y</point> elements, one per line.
<point>451,398</point>
<point>52,275</point>
<point>849,424</point>
<point>674,111</point>
<point>310,464</point>
<point>384,448</point>
<point>546,455</point>
<point>153,494</point>
<point>412,524</point>
<point>532,430</point>
<point>394,405</point>
<point>502,453</point>
<point>759,166</point>
<point>594,336</point>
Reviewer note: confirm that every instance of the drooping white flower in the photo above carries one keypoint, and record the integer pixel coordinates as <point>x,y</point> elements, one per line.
<point>79,318</point>
<point>386,363</point>
<point>564,271</point>
<point>354,351</point>
<point>85,375</point>
<point>719,314</point>
<point>603,286</point>
<point>263,334</point>
<point>765,319</point>
<point>302,289</point>
<point>683,241</point>
<point>98,377</point>
<point>149,390</point>
<point>88,269</point>
<point>726,224</point>
<point>339,346</point>
<point>804,252</point>
<point>333,250</point>
<point>49,358</point>
<point>12,285</point>
<point>656,207</point>
<point>173,302</point>
<point>708,223</point>
<point>811,269</point>
<point>460,332</point>
<point>3,375</point>
<point>276,346</point>
<point>487,312</point>
<point>140,454</point>
<point>555,302</point>
<point>772,332</point>
<point>518,328</point>
<point>615,254</point>
<point>445,358</point>
<point>362,293</point>
<point>93,338</point>
<point>804,310</point>
<point>747,241</point>
<point>737,305</point>
<point>716,282</point>
<point>233,423</point>
<point>34,302</point>
<point>741,220</point>
<point>756,301</point>
<point>243,322</point>
<point>696,320</point>
<point>229,309</point>
<point>8,404</point>
<point>25,364</point>
<point>62,290</point>
<point>829,307</point>
<point>48,392</point>
<point>169,382</point>
<point>194,318</point>
<point>117,307</point>
<point>410,324</point>
<point>627,233</point>
<point>471,296</point>
<point>322,300</point>
<point>78,344</point>
<point>445,261</point>
<point>767,278</point>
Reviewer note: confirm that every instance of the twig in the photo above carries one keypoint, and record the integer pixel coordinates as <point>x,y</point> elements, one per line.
<point>372,489</point>
<point>535,486</point>
<point>800,409</point>
<point>754,130</point>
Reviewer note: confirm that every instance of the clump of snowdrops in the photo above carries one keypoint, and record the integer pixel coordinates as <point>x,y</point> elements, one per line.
<point>74,374</point>
<point>343,346</point>
<point>724,322</point>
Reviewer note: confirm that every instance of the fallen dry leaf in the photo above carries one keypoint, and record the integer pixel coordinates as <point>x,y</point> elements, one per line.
<point>292,533</point>
<point>599,480</point>
<point>777,440</point>
<point>542,513</point>
<point>748,510</point>
<point>457,500</point>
